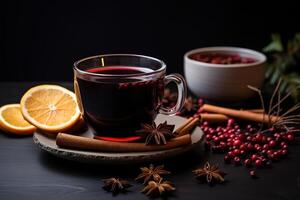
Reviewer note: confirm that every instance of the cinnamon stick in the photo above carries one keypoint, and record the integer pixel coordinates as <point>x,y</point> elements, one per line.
<point>78,142</point>
<point>188,127</point>
<point>180,128</point>
<point>241,114</point>
<point>256,110</point>
<point>213,118</point>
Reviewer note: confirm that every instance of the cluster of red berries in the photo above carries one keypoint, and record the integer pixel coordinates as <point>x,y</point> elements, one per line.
<point>246,145</point>
<point>217,58</point>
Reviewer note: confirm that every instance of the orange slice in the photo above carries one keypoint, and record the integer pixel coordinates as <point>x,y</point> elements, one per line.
<point>12,121</point>
<point>51,108</point>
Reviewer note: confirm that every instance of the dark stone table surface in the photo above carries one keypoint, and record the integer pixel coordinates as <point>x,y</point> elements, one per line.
<point>28,173</point>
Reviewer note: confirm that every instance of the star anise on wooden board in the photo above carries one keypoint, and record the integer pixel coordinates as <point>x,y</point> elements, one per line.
<point>210,174</point>
<point>158,188</point>
<point>116,185</point>
<point>154,134</point>
<point>151,173</point>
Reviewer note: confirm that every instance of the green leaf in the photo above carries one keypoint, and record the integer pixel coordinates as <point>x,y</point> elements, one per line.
<point>275,45</point>
<point>283,63</point>
<point>269,71</point>
<point>275,77</point>
<point>283,86</point>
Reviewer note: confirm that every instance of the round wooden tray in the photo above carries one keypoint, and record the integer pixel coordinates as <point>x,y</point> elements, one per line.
<point>48,144</point>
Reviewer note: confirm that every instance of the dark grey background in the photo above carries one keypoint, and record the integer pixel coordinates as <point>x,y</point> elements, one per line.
<point>41,39</point>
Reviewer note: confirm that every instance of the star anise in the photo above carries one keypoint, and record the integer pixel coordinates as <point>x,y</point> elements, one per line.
<point>151,173</point>
<point>116,185</point>
<point>158,188</point>
<point>210,173</point>
<point>157,134</point>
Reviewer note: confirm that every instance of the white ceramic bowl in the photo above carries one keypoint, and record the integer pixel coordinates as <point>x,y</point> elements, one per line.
<point>224,82</point>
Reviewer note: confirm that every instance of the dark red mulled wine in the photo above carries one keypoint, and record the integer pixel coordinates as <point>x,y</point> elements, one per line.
<point>116,107</point>
<point>221,58</point>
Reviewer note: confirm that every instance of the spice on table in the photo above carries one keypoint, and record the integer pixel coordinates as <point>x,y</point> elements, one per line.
<point>116,185</point>
<point>151,173</point>
<point>210,174</point>
<point>154,134</point>
<point>158,188</point>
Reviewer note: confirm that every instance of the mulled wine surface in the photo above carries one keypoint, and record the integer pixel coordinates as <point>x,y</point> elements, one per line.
<point>116,108</point>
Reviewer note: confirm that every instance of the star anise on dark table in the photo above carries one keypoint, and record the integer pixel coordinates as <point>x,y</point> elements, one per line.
<point>154,134</point>
<point>116,185</point>
<point>151,173</point>
<point>158,188</point>
<point>210,174</point>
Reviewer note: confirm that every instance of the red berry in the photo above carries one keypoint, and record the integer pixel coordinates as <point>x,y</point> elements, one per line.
<point>227,159</point>
<point>269,139</point>
<point>230,154</point>
<point>221,137</point>
<point>283,143</point>
<point>258,163</point>
<point>272,143</point>
<point>258,137</point>
<point>264,139</point>
<point>230,122</point>
<point>200,110</point>
<point>237,160</point>
<point>216,140</point>
<point>208,137</point>
<point>254,157</point>
<point>243,146</point>
<point>200,102</point>
<point>248,126</point>
<point>242,152</point>
<point>247,162</point>
<point>249,138</point>
<point>278,136</point>
<point>252,174</point>
<point>276,154</point>
<point>250,146</point>
<point>290,137</point>
<point>237,142</point>
<point>256,146</point>
<point>264,151</point>
<point>236,152</point>
<point>284,152</point>
<point>266,146</point>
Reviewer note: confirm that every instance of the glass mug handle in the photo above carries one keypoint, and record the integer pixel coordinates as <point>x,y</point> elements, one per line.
<point>182,92</point>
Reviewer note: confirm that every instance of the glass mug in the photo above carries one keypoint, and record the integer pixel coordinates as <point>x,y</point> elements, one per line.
<point>116,93</point>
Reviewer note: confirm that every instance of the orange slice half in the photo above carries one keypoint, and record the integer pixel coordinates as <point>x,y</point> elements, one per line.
<point>51,108</point>
<point>12,121</point>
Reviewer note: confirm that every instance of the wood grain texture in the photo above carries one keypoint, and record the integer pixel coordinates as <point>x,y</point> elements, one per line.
<point>28,173</point>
